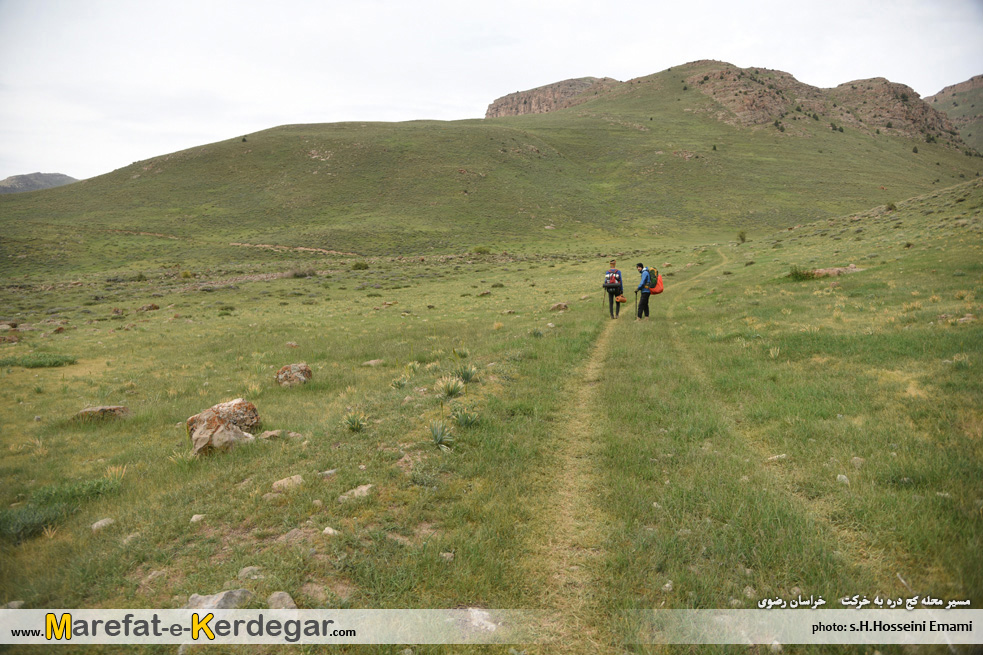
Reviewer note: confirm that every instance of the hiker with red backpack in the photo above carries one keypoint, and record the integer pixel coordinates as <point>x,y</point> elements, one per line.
<point>651,283</point>
<point>613,284</point>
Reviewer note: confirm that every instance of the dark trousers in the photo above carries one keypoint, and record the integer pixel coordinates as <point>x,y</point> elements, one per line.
<point>643,304</point>
<point>614,307</point>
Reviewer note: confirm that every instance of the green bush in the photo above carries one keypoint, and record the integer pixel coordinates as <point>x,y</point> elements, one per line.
<point>38,360</point>
<point>360,266</point>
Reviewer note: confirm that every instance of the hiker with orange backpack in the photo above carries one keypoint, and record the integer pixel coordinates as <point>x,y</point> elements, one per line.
<point>651,283</point>
<point>613,284</point>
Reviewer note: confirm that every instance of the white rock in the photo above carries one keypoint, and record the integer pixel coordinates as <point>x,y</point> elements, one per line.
<point>667,587</point>
<point>857,462</point>
<point>288,483</point>
<point>357,492</point>
<point>104,523</point>
<point>330,531</point>
<point>224,600</point>
<point>281,600</point>
<point>842,479</point>
<point>197,518</point>
<point>251,573</point>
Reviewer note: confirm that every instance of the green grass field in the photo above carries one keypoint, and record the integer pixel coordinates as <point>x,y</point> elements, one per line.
<point>762,435</point>
<point>698,450</point>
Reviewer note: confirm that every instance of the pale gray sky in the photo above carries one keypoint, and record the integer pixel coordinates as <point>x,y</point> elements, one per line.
<point>88,86</point>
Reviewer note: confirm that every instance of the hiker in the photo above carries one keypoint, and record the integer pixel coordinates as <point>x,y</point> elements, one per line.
<point>613,284</point>
<point>644,287</point>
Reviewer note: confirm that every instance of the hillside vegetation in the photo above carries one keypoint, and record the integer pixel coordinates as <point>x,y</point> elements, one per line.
<point>963,104</point>
<point>799,417</point>
<point>662,157</point>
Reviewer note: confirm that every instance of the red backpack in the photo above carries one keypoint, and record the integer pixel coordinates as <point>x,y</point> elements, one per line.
<point>655,281</point>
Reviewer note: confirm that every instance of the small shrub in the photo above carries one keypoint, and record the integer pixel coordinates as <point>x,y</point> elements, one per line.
<point>354,421</point>
<point>449,387</point>
<point>742,236</point>
<point>465,417</point>
<point>441,435</point>
<point>482,250</point>
<point>467,374</point>
<point>360,266</point>
<point>400,382</point>
<point>798,274</point>
<point>39,360</point>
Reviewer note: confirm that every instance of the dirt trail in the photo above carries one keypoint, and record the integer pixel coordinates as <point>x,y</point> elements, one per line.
<point>568,540</point>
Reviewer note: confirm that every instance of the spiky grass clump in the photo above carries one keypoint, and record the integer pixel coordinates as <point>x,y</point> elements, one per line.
<point>449,387</point>
<point>400,382</point>
<point>441,435</point>
<point>465,417</point>
<point>467,373</point>
<point>354,421</point>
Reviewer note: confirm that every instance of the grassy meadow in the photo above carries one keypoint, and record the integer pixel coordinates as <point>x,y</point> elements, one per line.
<point>766,433</point>
<point>703,445</point>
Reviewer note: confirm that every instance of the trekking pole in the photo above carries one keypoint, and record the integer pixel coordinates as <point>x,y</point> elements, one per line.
<point>636,303</point>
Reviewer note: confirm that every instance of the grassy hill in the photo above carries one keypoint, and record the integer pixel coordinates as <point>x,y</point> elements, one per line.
<point>963,103</point>
<point>653,157</point>
<point>768,433</point>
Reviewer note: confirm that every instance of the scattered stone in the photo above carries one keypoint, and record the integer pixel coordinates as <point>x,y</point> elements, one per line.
<point>241,413</point>
<point>288,483</point>
<point>857,462</point>
<point>272,496</point>
<point>585,297</point>
<point>373,362</point>
<point>222,426</point>
<point>833,272</point>
<point>14,605</point>
<point>318,503</point>
<point>328,474</point>
<point>795,591</point>
<point>559,307</point>
<point>291,344</point>
<point>104,523</point>
<point>749,592</point>
<point>329,531</point>
<point>775,647</point>
<point>357,492</point>
<point>281,600</point>
<point>484,293</point>
<point>149,308</point>
<point>102,412</point>
<point>130,537</point>
<point>842,479</point>
<point>775,458</point>
<point>251,573</point>
<point>224,600</point>
<point>667,587</point>
<point>294,374</point>
<point>197,518</point>
<point>449,557</point>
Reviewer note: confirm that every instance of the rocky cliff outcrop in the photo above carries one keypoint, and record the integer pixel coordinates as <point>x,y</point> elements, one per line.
<point>755,96</point>
<point>548,98</point>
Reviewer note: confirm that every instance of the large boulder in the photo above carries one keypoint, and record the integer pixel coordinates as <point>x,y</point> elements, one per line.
<point>294,374</point>
<point>222,427</point>
<point>241,413</point>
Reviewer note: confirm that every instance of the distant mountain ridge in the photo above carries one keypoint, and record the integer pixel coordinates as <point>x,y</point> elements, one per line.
<point>758,97</point>
<point>34,182</point>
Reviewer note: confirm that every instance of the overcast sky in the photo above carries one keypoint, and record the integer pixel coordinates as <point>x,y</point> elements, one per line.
<point>88,86</point>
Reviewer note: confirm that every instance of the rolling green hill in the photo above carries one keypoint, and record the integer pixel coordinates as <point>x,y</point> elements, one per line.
<point>963,104</point>
<point>689,151</point>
